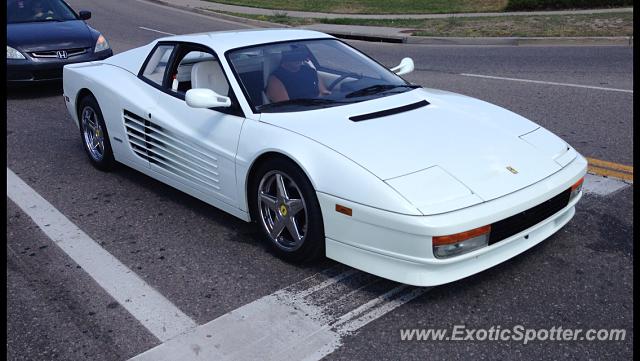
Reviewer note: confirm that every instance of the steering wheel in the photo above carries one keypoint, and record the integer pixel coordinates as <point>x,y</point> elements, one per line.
<point>337,81</point>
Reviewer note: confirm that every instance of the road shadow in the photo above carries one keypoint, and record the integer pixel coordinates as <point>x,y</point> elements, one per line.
<point>34,91</point>
<point>176,196</point>
<point>247,232</point>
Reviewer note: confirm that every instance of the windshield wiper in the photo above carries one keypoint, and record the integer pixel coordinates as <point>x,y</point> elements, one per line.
<point>378,88</point>
<point>299,101</point>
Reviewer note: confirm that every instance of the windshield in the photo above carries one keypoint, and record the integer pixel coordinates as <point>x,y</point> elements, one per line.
<point>27,11</point>
<point>309,74</point>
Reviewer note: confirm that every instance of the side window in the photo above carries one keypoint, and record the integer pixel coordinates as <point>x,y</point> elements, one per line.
<point>253,68</point>
<point>157,64</point>
<point>198,69</point>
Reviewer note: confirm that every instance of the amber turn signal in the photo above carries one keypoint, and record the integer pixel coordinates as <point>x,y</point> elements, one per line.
<point>577,184</point>
<point>457,237</point>
<point>344,210</point>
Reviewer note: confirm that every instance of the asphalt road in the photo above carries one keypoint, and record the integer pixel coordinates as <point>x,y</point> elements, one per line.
<point>208,263</point>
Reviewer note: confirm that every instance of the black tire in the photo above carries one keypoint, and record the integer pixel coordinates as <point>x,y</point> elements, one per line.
<point>106,162</point>
<point>313,243</point>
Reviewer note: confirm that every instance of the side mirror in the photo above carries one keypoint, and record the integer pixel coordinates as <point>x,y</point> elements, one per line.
<point>85,15</point>
<point>405,67</point>
<point>206,98</point>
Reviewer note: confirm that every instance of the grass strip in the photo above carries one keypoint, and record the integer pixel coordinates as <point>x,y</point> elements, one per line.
<point>604,24</point>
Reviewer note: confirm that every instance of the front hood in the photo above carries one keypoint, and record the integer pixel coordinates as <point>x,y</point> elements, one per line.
<point>474,142</point>
<point>51,35</point>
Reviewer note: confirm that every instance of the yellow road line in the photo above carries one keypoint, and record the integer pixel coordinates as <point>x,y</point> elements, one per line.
<point>610,165</point>
<point>610,173</point>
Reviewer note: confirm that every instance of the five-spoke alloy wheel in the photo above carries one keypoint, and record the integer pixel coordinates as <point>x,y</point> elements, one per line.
<point>93,133</point>
<point>95,137</point>
<point>286,209</point>
<point>282,210</point>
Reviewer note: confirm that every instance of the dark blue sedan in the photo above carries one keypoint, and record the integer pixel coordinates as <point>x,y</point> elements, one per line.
<point>44,35</point>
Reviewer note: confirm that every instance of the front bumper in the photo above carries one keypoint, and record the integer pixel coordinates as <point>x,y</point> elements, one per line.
<point>398,247</point>
<point>46,69</point>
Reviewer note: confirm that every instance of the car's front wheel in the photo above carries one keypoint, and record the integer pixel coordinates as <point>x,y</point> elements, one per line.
<point>95,138</point>
<point>284,204</point>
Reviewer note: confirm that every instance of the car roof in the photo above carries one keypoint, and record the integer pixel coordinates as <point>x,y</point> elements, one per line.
<point>219,41</point>
<point>222,41</point>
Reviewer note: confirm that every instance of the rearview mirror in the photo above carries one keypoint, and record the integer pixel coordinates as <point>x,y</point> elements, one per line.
<point>405,67</point>
<point>85,15</point>
<point>206,98</point>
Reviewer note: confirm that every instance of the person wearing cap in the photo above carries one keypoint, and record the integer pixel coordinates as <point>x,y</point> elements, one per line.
<point>294,79</point>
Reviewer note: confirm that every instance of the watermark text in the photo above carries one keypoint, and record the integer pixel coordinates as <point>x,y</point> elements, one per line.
<point>518,333</point>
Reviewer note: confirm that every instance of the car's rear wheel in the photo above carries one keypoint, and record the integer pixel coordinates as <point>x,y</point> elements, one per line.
<point>285,206</point>
<point>95,138</point>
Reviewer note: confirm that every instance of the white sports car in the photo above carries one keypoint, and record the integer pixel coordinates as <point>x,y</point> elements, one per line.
<point>329,152</point>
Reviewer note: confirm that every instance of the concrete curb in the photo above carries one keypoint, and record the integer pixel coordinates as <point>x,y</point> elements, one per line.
<point>357,35</point>
<point>511,41</point>
<point>426,40</point>
<point>517,41</point>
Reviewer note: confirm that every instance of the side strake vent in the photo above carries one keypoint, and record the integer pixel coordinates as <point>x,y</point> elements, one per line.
<point>383,113</point>
<point>164,149</point>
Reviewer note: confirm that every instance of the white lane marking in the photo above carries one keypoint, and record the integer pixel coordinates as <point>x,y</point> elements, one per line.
<point>548,83</point>
<point>346,324</point>
<point>354,293</point>
<point>157,31</point>
<point>369,305</point>
<point>602,186</point>
<point>282,326</point>
<point>163,319</point>
<point>326,283</point>
<point>256,331</point>
<point>386,307</point>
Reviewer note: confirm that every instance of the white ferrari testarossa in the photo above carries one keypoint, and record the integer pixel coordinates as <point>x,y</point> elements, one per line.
<point>329,152</point>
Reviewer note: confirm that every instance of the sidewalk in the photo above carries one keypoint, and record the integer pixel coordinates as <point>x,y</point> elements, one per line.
<point>399,35</point>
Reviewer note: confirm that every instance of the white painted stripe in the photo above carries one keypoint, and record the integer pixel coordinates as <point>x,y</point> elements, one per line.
<point>346,324</point>
<point>548,83</point>
<point>602,186</point>
<point>326,283</point>
<point>154,30</point>
<point>354,293</point>
<point>163,319</point>
<point>256,331</point>
<point>369,305</point>
<point>283,325</point>
<point>386,307</point>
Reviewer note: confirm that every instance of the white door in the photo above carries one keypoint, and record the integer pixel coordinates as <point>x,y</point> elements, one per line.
<point>194,146</point>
